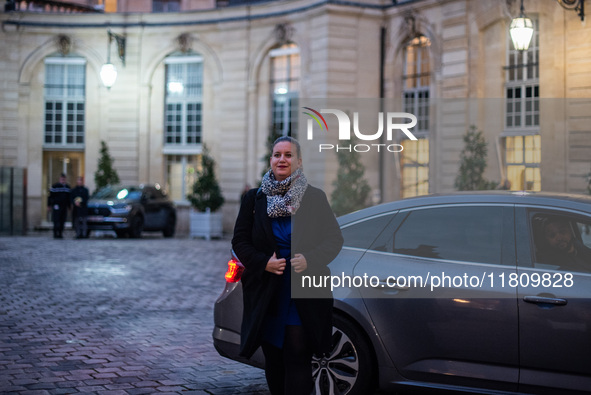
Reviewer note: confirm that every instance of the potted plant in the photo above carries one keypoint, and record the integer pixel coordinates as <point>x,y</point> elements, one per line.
<point>206,198</point>
<point>473,163</point>
<point>105,173</point>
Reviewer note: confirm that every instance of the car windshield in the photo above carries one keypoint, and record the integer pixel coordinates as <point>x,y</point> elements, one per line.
<point>118,193</point>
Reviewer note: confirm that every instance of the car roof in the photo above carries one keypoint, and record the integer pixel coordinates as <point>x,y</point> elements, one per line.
<point>552,199</point>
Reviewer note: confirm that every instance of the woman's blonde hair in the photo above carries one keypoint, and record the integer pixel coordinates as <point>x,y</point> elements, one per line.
<point>289,139</point>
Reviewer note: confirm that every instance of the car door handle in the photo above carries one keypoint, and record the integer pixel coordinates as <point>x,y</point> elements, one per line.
<point>545,300</point>
<point>385,285</point>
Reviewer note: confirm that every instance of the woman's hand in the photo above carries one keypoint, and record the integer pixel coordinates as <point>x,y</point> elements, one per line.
<point>299,263</point>
<point>275,265</point>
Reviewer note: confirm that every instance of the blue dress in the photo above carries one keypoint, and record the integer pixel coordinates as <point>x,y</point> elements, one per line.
<point>285,312</point>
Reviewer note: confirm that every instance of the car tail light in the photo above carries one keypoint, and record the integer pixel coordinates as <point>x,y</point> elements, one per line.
<point>234,272</point>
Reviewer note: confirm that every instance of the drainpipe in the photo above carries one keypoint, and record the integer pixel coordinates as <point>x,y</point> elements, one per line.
<point>382,182</point>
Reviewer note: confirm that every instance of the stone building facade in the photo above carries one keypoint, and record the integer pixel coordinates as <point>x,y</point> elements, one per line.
<point>227,74</point>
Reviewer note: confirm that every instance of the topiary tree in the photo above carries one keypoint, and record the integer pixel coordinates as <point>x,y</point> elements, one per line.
<point>473,162</point>
<point>206,193</point>
<point>105,173</point>
<point>351,191</point>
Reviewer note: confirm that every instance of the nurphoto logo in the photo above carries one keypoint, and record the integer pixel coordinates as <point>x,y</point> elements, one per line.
<point>391,119</point>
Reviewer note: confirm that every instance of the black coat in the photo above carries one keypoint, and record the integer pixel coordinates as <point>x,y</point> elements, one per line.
<point>59,195</point>
<point>80,192</point>
<point>316,235</point>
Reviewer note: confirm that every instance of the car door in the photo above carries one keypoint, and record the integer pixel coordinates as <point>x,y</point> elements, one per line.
<point>439,308</point>
<point>554,300</point>
<point>153,208</point>
<point>150,208</point>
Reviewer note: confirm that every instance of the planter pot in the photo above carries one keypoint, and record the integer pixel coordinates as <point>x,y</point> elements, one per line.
<point>205,224</point>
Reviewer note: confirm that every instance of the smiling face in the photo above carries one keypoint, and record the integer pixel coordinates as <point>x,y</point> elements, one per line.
<point>284,160</point>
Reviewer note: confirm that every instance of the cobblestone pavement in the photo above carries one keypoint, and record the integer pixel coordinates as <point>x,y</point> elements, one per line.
<point>114,316</point>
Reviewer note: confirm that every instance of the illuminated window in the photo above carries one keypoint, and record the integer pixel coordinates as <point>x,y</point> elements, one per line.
<point>65,102</point>
<point>182,170</point>
<point>285,83</point>
<point>107,5</point>
<point>522,86</point>
<point>522,160</point>
<point>415,167</point>
<point>416,80</point>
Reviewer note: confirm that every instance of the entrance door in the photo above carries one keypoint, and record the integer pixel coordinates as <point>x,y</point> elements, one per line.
<point>54,163</point>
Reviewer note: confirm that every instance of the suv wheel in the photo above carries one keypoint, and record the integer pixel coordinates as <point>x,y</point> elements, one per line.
<point>170,226</point>
<point>349,367</point>
<point>136,227</point>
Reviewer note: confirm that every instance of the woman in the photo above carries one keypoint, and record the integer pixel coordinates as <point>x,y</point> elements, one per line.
<point>285,229</point>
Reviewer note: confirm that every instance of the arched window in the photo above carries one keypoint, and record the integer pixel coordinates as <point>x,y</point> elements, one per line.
<point>416,79</point>
<point>285,85</point>
<point>416,93</point>
<point>183,117</point>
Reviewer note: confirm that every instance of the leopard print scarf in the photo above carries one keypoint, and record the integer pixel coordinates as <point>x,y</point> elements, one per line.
<point>284,197</point>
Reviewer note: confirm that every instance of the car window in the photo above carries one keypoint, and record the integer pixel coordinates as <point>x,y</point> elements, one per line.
<point>363,233</point>
<point>107,192</point>
<point>158,194</point>
<point>585,232</point>
<point>561,240</point>
<point>134,194</point>
<point>466,233</point>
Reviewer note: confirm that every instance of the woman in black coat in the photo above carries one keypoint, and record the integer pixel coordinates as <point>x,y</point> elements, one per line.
<point>286,230</point>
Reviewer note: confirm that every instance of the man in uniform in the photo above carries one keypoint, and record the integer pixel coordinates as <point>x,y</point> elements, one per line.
<point>79,208</point>
<point>58,202</point>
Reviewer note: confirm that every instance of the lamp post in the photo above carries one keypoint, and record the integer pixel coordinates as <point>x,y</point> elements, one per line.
<point>576,5</point>
<point>108,71</point>
<point>108,74</point>
<point>521,30</point>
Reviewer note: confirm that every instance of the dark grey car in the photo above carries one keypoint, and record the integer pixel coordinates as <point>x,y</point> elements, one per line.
<point>455,292</point>
<point>131,210</point>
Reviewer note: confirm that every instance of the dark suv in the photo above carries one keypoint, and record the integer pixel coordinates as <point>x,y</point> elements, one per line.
<point>130,210</point>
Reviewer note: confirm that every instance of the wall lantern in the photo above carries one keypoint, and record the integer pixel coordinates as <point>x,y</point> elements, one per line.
<point>576,5</point>
<point>521,30</point>
<point>109,71</point>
